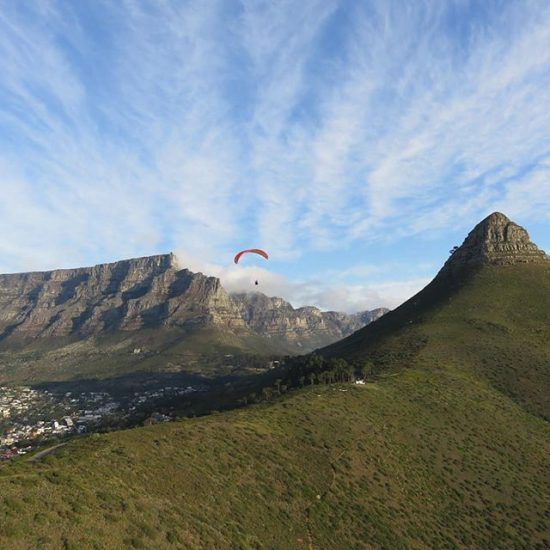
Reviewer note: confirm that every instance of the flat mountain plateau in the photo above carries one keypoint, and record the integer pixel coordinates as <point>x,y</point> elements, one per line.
<point>147,315</point>
<point>446,445</point>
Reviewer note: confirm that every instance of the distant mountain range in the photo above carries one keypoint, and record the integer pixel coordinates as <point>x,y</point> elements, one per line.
<point>304,328</point>
<point>150,302</point>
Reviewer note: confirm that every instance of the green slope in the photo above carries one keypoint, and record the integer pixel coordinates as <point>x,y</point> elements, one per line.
<point>166,350</point>
<point>431,457</point>
<point>449,451</point>
<point>448,447</point>
<point>495,322</point>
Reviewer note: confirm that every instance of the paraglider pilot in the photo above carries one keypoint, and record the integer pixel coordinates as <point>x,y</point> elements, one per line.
<point>253,251</point>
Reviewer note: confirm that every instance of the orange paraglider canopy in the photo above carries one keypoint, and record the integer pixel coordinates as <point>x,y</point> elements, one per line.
<point>251,251</point>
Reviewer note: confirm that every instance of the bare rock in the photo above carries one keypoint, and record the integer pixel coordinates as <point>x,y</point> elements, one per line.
<point>309,326</point>
<point>126,295</point>
<point>495,240</point>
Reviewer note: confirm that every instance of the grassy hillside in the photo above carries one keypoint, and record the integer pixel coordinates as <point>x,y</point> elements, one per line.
<point>496,322</point>
<point>447,447</point>
<point>200,352</point>
<point>429,457</point>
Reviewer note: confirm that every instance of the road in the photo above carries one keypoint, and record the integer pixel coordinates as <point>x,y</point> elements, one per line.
<point>46,452</point>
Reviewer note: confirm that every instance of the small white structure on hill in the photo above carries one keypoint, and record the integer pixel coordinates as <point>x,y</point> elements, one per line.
<point>359,381</point>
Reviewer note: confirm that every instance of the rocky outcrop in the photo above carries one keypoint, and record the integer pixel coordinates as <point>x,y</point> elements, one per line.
<point>152,292</point>
<point>305,326</point>
<point>495,240</point>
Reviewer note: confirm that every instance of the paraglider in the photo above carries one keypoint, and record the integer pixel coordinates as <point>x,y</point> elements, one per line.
<point>251,251</point>
<point>258,251</point>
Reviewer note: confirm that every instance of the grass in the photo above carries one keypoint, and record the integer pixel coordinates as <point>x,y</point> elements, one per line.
<point>399,463</point>
<point>497,322</point>
<point>447,448</point>
<point>199,352</point>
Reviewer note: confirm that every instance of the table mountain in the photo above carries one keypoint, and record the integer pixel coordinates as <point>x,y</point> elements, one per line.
<point>152,303</point>
<point>126,295</point>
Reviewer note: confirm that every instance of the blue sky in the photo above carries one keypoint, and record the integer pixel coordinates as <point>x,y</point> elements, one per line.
<point>356,141</point>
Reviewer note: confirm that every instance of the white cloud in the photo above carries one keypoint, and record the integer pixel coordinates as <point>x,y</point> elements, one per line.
<point>330,293</point>
<point>413,124</point>
<point>528,195</point>
<point>84,195</point>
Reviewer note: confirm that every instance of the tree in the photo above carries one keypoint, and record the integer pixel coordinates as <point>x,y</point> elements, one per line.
<point>367,369</point>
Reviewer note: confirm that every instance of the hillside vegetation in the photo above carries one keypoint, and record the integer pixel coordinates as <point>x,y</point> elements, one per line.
<point>166,350</point>
<point>447,447</point>
<point>495,323</point>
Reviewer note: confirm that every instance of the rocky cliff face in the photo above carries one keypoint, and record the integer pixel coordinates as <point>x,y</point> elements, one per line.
<point>152,292</point>
<point>126,295</point>
<point>495,240</point>
<point>305,326</point>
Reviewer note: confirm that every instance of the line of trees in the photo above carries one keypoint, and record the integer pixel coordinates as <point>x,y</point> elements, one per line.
<point>313,369</point>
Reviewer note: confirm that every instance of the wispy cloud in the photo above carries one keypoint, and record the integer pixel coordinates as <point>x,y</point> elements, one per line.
<point>132,128</point>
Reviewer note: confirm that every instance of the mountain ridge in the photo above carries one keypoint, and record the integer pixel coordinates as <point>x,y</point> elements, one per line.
<point>147,291</point>
<point>126,295</point>
<point>495,241</point>
<point>276,318</point>
<point>493,294</point>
